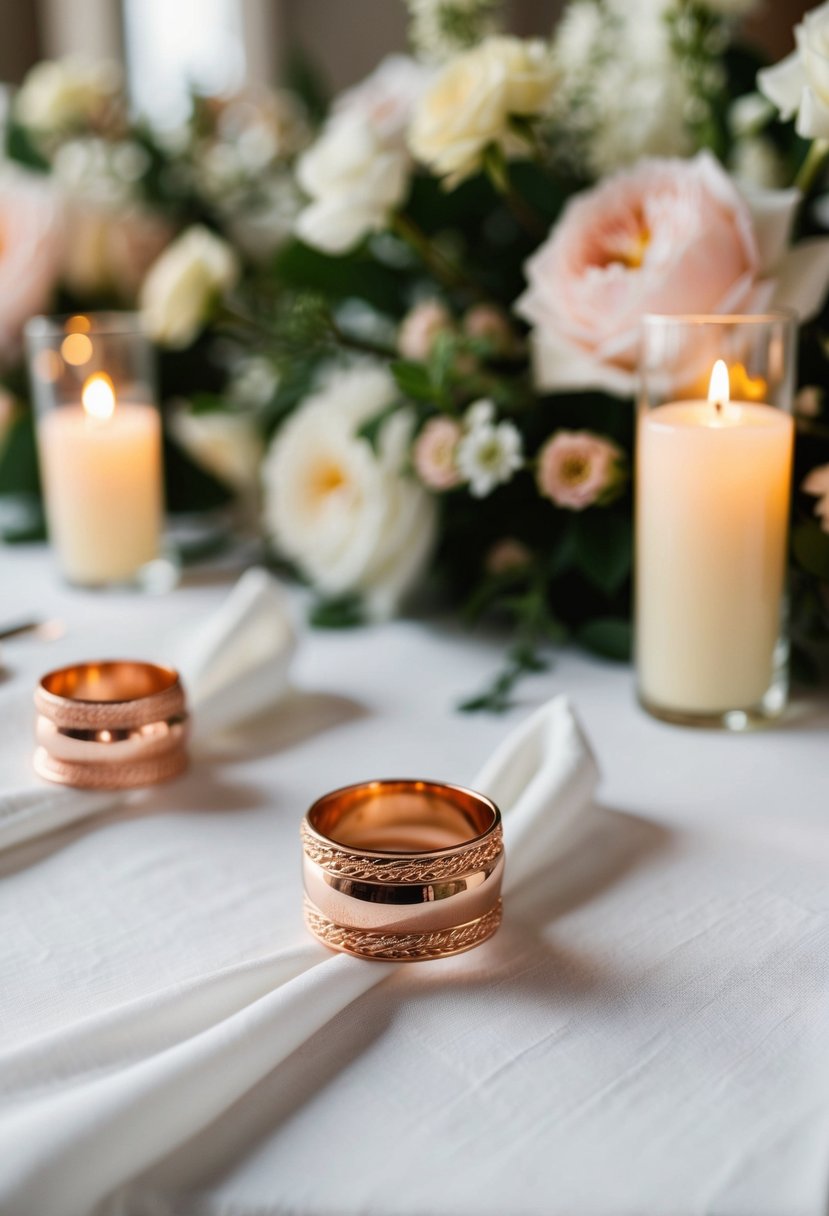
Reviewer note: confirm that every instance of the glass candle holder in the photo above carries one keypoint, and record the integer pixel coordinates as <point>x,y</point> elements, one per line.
<point>99,444</point>
<point>713,481</point>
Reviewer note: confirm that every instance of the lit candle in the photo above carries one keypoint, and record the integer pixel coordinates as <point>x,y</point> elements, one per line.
<point>101,465</point>
<point>713,486</point>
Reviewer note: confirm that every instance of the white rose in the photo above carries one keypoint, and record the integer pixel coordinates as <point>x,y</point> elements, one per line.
<point>351,519</point>
<point>358,170</point>
<point>226,444</point>
<point>799,84</point>
<point>472,100</point>
<point>386,99</point>
<point>183,284</point>
<point>62,94</point>
<point>354,181</point>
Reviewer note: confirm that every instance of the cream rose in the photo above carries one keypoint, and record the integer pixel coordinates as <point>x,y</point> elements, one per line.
<point>60,95</point>
<point>470,104</point>
<point>799,84</point>
<point>31,248</point>
<point>183,285</point>
<point>351,519</point>
<point>669,236</point>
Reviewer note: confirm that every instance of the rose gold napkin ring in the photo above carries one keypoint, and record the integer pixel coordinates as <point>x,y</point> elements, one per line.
<point>403,870</point>
<point>110,725</point>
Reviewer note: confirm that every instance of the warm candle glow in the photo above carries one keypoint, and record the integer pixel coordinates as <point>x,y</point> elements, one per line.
<point>98,397</point>
<point>719,389</point>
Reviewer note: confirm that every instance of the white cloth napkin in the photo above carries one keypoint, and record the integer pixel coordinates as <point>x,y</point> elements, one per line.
<point>90,1107</point>
<point>235,666</point>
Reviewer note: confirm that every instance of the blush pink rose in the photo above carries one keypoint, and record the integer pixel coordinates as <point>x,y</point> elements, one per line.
<point>668,236</point>
<point>31,244</point>
<point>576,468</point>
<point>434,454</point>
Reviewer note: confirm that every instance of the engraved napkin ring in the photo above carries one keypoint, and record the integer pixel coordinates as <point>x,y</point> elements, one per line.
<point>110,725</point>
<point>403,870</point>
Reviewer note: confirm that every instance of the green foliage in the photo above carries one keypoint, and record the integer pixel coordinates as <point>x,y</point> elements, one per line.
<point>344,612</point>
<point>811,549</point>
<point>189,487</point>
<point>604,548</point>
<point>610,637</point>
<point>19,473</point>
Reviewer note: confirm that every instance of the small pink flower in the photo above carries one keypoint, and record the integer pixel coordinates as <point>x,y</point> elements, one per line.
<point>421,328</point>
<point>575,468</point>
<point>507,554</point>
<point>434,454</point>
<point>491,324</point>
<point>817,483</point>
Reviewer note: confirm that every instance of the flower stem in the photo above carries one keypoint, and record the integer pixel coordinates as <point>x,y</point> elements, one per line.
<point>444,270</point>
<point>497,171</point>
<point>815,161</point>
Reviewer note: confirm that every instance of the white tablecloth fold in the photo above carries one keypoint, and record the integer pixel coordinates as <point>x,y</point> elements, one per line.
<point>234,666</point>
<point>88,1108</point>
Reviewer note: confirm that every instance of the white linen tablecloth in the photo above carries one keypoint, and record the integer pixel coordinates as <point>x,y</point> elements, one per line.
<point>655,1042</point>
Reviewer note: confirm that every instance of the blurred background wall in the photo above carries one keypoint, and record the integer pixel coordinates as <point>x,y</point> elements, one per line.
<point>218,43</point>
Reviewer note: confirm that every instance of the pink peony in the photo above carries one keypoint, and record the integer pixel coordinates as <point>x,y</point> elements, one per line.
<point>421,328</point>
<point>576,468</point>
<point>434,454</point>
<point>817,483</point>
<point>30,254</point>
<point>668,236</point>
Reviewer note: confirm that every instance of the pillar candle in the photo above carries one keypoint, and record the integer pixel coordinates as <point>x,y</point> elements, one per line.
<point>713,486</point>
<point>101,467</point>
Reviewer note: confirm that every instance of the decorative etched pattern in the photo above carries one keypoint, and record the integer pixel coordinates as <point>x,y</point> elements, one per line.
<point>404,870</point>
<point>402,947</point>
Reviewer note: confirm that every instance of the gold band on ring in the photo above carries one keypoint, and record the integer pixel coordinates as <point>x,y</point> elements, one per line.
<point>116,724</point>
<point>403,870</point>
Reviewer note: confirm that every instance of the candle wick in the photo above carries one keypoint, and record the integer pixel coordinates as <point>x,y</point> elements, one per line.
<point>718,406</point>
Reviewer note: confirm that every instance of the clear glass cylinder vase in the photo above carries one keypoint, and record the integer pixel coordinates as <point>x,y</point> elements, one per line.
<point>715,438</point>
<point>99,444</point>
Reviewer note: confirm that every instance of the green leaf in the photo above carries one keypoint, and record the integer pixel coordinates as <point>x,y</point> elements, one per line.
<point>188,486</point>
<point>343,613</point>
<point>604,548</point>
<point>18,458</point>
<point>354,274</point>
<point>413,379</point>
<point>610,637</point>
<point>811,549</point>
<point>372,429</point>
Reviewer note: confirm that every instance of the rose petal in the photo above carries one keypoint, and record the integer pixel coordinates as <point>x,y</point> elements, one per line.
<point>783,84</point>
<point>813,116</point>
<point>558,365</point>
<point>803,278</point>
<point>773,212</point>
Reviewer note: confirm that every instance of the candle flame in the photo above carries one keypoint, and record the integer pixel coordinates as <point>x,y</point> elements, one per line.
<point>719,389</point>
<point>98,397</point>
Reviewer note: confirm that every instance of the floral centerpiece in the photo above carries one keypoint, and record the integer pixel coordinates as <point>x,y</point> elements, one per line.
<point>414,317</point>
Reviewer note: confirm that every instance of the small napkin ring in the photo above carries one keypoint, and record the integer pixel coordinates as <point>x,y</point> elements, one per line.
<point>110,725</point>
<point>403,870</point>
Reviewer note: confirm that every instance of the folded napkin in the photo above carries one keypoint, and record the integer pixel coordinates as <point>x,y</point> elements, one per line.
<point>235,666</point>
<point>92,1106</point>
